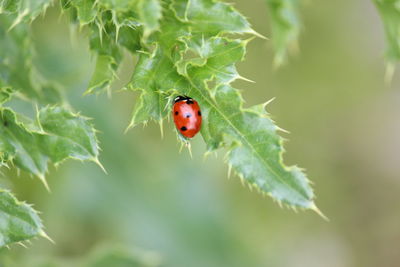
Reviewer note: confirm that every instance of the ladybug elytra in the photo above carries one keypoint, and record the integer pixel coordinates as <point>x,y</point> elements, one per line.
<point>187,116</point>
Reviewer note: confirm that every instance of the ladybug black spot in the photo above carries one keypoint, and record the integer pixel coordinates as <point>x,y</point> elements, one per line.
<point>188,115</point>
<point>199,113</point>
<point>176,113</point>
<point>183,128</point>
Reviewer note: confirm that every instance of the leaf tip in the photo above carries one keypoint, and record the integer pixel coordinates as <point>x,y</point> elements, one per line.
<point>44,181</point>
<point>245,79</point>
<point>46,236</point>
<point>266,103</point>
<point>130,126</point>
<point>207,154</point>
<point>389,72</point>
<point>97,161</point>
<point>314,208</point>
<point>258,35</point>
<point>22,244</point>
<point>161,128</point>
<point>229,170</point>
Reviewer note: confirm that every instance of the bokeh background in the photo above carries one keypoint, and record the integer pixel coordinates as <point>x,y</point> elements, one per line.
<point>164,206</point>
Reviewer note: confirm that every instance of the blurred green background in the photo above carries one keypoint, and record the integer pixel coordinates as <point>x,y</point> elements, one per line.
<point>345,130</point>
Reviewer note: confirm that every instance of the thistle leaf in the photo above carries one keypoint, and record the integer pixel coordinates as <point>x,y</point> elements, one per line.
<point>213,17</point>
<point>151,103</point>
<point>86,10</point>
<point>24,10</point>
<point>389,11</point>
<point>18,221</point>
<point>200,63</point>
<point>5,94</point>
<point>106,256</point>
<point>17,70</point>
<point>62,135</point>
<point>285,26</point>
<point>149,14</point>
<point>104,74</point>
<point>254,147</point>
<point>183,47</point>
<point>67,135</point>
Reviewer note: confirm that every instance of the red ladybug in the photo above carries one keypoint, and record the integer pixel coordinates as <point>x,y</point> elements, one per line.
<point>187,116</point>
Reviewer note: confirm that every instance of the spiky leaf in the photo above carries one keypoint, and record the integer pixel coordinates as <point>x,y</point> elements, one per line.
<point>24,10</point>
<point>389,11</point>
<point>254,147</point>
<point>285,26</point>
<point>17,70</point>
<point>149,14</point>
<point>200,63</point>
<point>18,221</point>
<point>62,135</point>
<point>184,47</point>
<point>5,94</point>
<point>122,257</point>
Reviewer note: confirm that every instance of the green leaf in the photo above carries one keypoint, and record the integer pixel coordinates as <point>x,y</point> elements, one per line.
<point>285,26</point>
<point>191,58</point>
<point>118,23</point>
<point>256,150</point>
<point>118,5</point>
<point>21,146</point>
<point>254,147</point>
<point>18,221</point>
<point>149,14</point>
<point>17,70</point>
<point>24,10</point>
<point>67,135</point>
<point>183,47</point>
<point>5,94</point>
<point>104,74</point>
<point>62,135</point>
<point>108,57</point>
<point>149,78</point>
<point>121,257</point>
<point>86,10</point>
<point>389,11</point>
<point>8,6</point>
<point>111,24</point>
<point>212,17</point>
<point>218,56</point>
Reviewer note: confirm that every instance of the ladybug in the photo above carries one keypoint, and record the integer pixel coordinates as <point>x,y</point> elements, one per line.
<point>187,116</point>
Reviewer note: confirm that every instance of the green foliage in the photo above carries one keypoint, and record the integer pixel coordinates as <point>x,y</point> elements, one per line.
<point>183,47</point>
<point>389,11</point>
<point>249,134</point>
<point>285,26</point>
<point>390,14</point>
<point>56,135</point>
<point>18,221</point>
<point>191,50</point>
<point>200,62</point>
<point>117,256</point>
<point>25,10</point>
<point>17,71</point>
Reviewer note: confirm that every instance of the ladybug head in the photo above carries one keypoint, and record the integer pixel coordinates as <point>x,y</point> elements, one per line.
<point>181,98</point>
